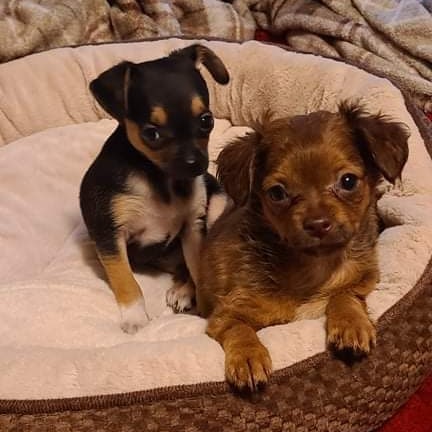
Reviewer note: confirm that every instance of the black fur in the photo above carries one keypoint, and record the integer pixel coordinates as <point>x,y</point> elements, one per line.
<point>131,91</point>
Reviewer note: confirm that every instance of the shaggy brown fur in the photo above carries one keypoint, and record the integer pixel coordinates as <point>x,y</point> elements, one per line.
<point>301,239</point>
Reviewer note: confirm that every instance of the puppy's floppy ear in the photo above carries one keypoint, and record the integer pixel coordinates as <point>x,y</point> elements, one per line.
<point>380,140</point>
<point>200,54</point>
<point>110,89</point>
<point>236,165</point>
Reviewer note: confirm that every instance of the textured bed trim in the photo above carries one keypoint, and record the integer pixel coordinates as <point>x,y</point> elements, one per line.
<point>363,396</point>
<point>341,389</point>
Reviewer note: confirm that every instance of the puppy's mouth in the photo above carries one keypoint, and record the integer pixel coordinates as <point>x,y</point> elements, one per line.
<point>184,171</point>
<point>323,248</point>
<point>326,245</point>
<point>186,166</point>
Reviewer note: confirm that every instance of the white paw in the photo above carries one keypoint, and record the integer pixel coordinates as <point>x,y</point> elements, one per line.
<point>133,317</point>
<point>180,297</point>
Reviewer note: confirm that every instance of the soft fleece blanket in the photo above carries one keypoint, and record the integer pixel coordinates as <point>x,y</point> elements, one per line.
<point>28,26</point>
<point>59,327</point>
<point>391,38</point>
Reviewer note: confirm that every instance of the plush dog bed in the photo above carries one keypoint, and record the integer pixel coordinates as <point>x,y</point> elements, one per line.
<point>63,355</point>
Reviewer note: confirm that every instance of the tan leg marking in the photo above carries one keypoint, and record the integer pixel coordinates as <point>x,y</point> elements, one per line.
<point>126,290</point>
<point>121,280</point>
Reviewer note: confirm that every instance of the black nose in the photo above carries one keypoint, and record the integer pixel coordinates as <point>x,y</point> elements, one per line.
<point>195,163</point>
<point>191,160</point>
<point>189,165</point>
<point>317,227</point>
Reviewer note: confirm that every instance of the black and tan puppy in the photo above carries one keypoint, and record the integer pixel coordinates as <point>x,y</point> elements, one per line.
<point>301,241</point>
<point>147,197</point>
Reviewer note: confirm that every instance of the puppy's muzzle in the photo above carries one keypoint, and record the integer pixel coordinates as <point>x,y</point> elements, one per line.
<point>317,227</point>
<point>191,163</point>
<point>323,233</point>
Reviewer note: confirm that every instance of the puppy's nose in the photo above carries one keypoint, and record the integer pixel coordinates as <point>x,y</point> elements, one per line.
<point>191,159</point>
<point>317,227</point>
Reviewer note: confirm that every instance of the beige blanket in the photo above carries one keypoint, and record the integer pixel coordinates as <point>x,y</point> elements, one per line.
<point>391,38</point>
<point>28,26</point>
<point>59,323</point>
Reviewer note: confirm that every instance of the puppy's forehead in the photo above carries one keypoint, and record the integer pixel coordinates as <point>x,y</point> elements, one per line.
<point>163,116</point>
<point>313,150</point>
<point>160,94</point>
<point>169,78</point>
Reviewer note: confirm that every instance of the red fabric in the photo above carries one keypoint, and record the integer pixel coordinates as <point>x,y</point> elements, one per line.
<point>415,415</point>
<point>264,36</point>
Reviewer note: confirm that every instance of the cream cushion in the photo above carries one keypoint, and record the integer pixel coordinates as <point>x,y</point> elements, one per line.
<point>59,323</point>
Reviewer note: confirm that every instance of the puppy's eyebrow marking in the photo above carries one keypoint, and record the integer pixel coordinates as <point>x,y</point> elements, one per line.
<point>197,106</point>
<point>133,134</point>
<point>158,116</point>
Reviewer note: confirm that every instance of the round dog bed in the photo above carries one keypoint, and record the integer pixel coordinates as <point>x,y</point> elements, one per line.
<point>64,358</point>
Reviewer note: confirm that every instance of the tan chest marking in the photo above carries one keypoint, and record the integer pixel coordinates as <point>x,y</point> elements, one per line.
<point>143,217</point>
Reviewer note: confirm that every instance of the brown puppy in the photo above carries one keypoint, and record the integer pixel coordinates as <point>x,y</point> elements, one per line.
<point>301,240</point>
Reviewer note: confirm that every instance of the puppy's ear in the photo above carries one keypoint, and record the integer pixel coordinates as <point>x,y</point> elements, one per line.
<point>110,89</point>
<point>200,54</point>
<point>381,141</point>
<point>236,167</point>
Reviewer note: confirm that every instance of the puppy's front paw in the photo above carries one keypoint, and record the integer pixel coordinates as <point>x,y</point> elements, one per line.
<point>181,297</point>
<point>133,317</point>
<point>351,337</point>
<point>248,369</point>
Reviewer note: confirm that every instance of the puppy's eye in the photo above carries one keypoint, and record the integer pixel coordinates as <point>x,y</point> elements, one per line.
<point>150,133</point>
<point>348,181</point>
<point>206,122</point>
<point>277,193</point>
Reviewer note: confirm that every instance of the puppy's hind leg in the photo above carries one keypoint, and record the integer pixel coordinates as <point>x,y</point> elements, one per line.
<point>124,286</point>
<point>181,296</point>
